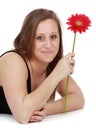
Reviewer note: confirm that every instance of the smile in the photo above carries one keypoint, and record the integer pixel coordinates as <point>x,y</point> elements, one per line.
<point>47,52</point>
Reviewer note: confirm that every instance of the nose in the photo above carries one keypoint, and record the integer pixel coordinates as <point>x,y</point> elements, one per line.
<point>48,43</point>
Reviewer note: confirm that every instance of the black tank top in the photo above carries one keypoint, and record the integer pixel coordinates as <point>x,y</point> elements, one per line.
<point>4,108</point>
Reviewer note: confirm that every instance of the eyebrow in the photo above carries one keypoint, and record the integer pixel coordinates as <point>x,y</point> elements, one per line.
<point>44,33</point>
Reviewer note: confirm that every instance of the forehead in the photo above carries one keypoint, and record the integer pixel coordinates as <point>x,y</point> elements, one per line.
<point>46,26</point>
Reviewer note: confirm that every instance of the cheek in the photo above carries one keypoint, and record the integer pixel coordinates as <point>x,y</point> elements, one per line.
<point>37,46</point>
<point>56,45</point>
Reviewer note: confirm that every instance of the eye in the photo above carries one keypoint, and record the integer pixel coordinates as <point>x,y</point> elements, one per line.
<point>53,36</point>
<point>40,38</point>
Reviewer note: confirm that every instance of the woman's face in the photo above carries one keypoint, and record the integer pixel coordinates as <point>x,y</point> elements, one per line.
<point>46,44</point>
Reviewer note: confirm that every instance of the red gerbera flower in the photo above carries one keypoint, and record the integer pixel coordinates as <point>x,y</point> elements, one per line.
<point>79,23</point>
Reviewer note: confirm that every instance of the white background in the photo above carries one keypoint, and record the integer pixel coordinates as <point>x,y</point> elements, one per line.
<point>12,14</point>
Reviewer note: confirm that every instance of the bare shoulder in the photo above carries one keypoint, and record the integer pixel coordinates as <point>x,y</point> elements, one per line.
<point>12,63</point>
<point>11,56</point>
<point>12,59</point>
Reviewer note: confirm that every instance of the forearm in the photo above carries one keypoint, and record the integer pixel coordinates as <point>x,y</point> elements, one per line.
<point>38,98</point>
<point>74,102</point>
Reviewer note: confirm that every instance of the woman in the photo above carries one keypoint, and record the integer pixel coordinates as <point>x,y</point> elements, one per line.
<point>31,74</point>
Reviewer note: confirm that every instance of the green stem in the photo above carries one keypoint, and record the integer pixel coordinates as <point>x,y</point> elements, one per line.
<point>66,96</point>
<point>68,77</point>
<point>74,42</point>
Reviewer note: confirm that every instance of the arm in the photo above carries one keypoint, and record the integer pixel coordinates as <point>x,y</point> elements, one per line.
<point>14,82</point>
<point>75,98</point>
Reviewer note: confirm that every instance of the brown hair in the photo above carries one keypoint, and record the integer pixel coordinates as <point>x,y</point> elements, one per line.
<point>25,39</point>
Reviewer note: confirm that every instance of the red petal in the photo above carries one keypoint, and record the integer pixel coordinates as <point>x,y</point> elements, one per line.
<point>82,18</point>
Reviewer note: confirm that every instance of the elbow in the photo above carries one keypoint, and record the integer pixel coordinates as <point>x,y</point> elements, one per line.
<point>23,120</point>
<point>81,100</point>
<point>22,117</point>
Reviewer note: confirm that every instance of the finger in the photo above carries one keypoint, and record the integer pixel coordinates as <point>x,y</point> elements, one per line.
<point>40,113</point>
<point>72,72</point>
<point>33,120</point>
<point>72,62</point>
<point>43,108</point>
<point>71,68</point>
<point>70,55</point>
<point>36,118</point>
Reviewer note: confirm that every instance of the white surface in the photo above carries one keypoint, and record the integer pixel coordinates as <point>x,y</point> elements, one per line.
<point>12,13</point>
<point>77,120</point>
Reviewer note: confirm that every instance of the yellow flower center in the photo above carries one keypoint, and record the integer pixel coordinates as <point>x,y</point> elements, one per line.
<point>78,23</point>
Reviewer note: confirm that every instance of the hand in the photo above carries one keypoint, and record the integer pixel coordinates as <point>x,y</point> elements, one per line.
<point>65,66</point>
<point>38,115</point>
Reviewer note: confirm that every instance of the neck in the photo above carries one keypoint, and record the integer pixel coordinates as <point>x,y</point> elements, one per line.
<point>38,69</point>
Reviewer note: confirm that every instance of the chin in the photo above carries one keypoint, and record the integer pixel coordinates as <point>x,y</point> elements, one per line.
<point>48,61</point>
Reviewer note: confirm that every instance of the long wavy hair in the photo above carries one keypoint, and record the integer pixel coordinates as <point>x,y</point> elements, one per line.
<point>24,42</point>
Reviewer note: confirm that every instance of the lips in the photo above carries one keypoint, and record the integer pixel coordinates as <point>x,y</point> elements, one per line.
<point>48,53</point>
